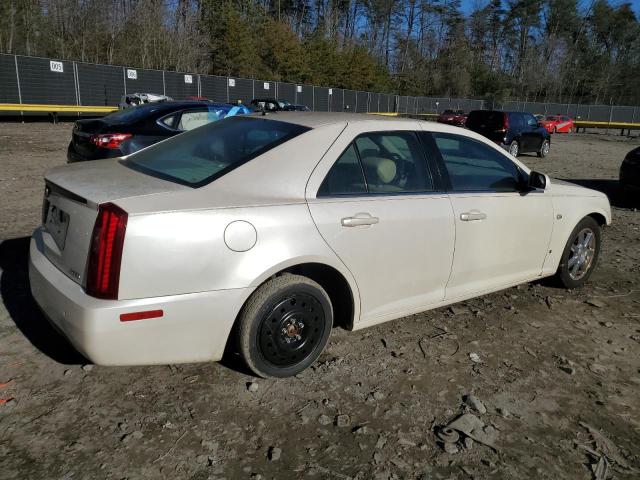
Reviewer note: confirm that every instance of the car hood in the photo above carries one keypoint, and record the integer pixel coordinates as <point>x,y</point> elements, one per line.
<point>562,187</point>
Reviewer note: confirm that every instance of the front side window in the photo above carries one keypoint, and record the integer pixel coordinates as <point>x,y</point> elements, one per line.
<point>474,166</point>
<point>199,156</point>
<point>379,162</point>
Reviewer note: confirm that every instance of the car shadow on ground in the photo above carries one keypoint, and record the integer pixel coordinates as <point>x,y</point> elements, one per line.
<point>17,299</point>
<point>611,188</point>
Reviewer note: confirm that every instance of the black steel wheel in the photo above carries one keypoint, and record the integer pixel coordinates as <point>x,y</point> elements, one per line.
<point>284,326</point>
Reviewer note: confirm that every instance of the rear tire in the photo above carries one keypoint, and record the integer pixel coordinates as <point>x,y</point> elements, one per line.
<point>284,326</point>
<point>544,149</point>
<point>580,254</point>
<point>514,148</point>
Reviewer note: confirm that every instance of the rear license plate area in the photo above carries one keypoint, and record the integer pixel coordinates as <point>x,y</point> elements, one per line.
<point>57,224</point>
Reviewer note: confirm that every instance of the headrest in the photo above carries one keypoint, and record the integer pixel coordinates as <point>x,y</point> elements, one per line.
<point>385,169</point>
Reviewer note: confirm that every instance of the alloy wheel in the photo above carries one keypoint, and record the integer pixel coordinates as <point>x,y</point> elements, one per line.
<point>582,254</point>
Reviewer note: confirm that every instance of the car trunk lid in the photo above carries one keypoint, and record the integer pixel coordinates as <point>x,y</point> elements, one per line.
<point>70,207</point>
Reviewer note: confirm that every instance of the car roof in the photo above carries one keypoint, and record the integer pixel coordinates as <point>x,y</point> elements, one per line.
<point>317,119</point>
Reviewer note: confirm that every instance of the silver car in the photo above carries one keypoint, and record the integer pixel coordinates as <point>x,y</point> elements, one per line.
<point>278,228</point>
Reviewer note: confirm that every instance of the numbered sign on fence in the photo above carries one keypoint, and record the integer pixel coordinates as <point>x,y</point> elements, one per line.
<point>299,88</point>
<point>132,74</point>
<point>57,67</point>
<point>188,79</point>
<point>232,82</point>
<point>266,85</point>
<point>331,91</point>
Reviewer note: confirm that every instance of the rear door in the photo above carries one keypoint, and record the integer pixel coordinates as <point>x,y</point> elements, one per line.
<point>379,207</point>
<point>532,134</point>
<point>517,127</point>
<point>502,233</point>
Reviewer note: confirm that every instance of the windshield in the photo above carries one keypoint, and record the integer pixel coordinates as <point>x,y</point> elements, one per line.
<point>198,157</point>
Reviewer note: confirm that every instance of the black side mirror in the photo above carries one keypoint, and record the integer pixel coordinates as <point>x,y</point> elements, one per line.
<point>537,180</point>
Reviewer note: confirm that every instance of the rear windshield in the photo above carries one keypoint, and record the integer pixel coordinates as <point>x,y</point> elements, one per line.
<point>198,157</point>
<point>132,114</point>
<point>485,119</point>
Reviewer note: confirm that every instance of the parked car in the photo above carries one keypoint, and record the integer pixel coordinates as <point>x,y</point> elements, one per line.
<point>135,99</point>
<point>630,171</point>
<point>296,108</point>
<point>278,228</point>
<point>130,130</point>
<point>558,124</point>
<point>516,132</point>
<point>453,117</point>
<point>268,104</point>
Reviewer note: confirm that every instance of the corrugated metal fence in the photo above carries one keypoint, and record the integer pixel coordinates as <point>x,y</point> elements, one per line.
<point>36,80</point>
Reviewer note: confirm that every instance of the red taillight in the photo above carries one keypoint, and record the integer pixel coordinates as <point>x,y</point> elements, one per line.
<point>110,140</point>
<point>506,122</point>
<point>105,254</point>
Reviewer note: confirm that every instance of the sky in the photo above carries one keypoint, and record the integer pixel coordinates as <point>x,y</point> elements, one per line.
<point>469,5</point>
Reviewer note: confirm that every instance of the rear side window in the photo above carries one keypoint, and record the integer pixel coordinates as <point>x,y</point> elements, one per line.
<point>485,120</point>
<point>379,162</point>
<point>474,166</point>
<point>516,120</point>
<point>345,177</point>
<point>199,156</point>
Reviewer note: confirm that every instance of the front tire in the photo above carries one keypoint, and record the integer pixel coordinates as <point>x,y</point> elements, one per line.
<point>580,254</point>
<point>284,326</point>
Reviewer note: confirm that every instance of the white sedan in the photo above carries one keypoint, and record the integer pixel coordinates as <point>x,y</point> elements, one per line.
<point>271,230</point>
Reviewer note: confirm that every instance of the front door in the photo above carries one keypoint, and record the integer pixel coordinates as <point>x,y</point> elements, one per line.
<point>502,231</point>
<point>377,206</point>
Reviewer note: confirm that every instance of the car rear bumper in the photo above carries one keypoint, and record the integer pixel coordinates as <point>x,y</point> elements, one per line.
<point>193,328</point>
<point>630,177</point>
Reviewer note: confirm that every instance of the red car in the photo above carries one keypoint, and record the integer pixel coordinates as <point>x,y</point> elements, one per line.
<point>558,124</point>
<point>453,117</point>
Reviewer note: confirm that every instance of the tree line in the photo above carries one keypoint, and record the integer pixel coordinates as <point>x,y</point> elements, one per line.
<point>540,50</point>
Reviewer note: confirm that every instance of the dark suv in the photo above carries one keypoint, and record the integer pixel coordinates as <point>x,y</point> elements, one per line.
<point>517,132</point>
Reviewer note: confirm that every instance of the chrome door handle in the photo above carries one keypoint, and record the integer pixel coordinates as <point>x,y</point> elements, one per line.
<point>473,215</point>
<point>359,219</point>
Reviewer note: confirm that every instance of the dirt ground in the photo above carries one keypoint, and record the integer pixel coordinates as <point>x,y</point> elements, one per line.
<point>558,372</point>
